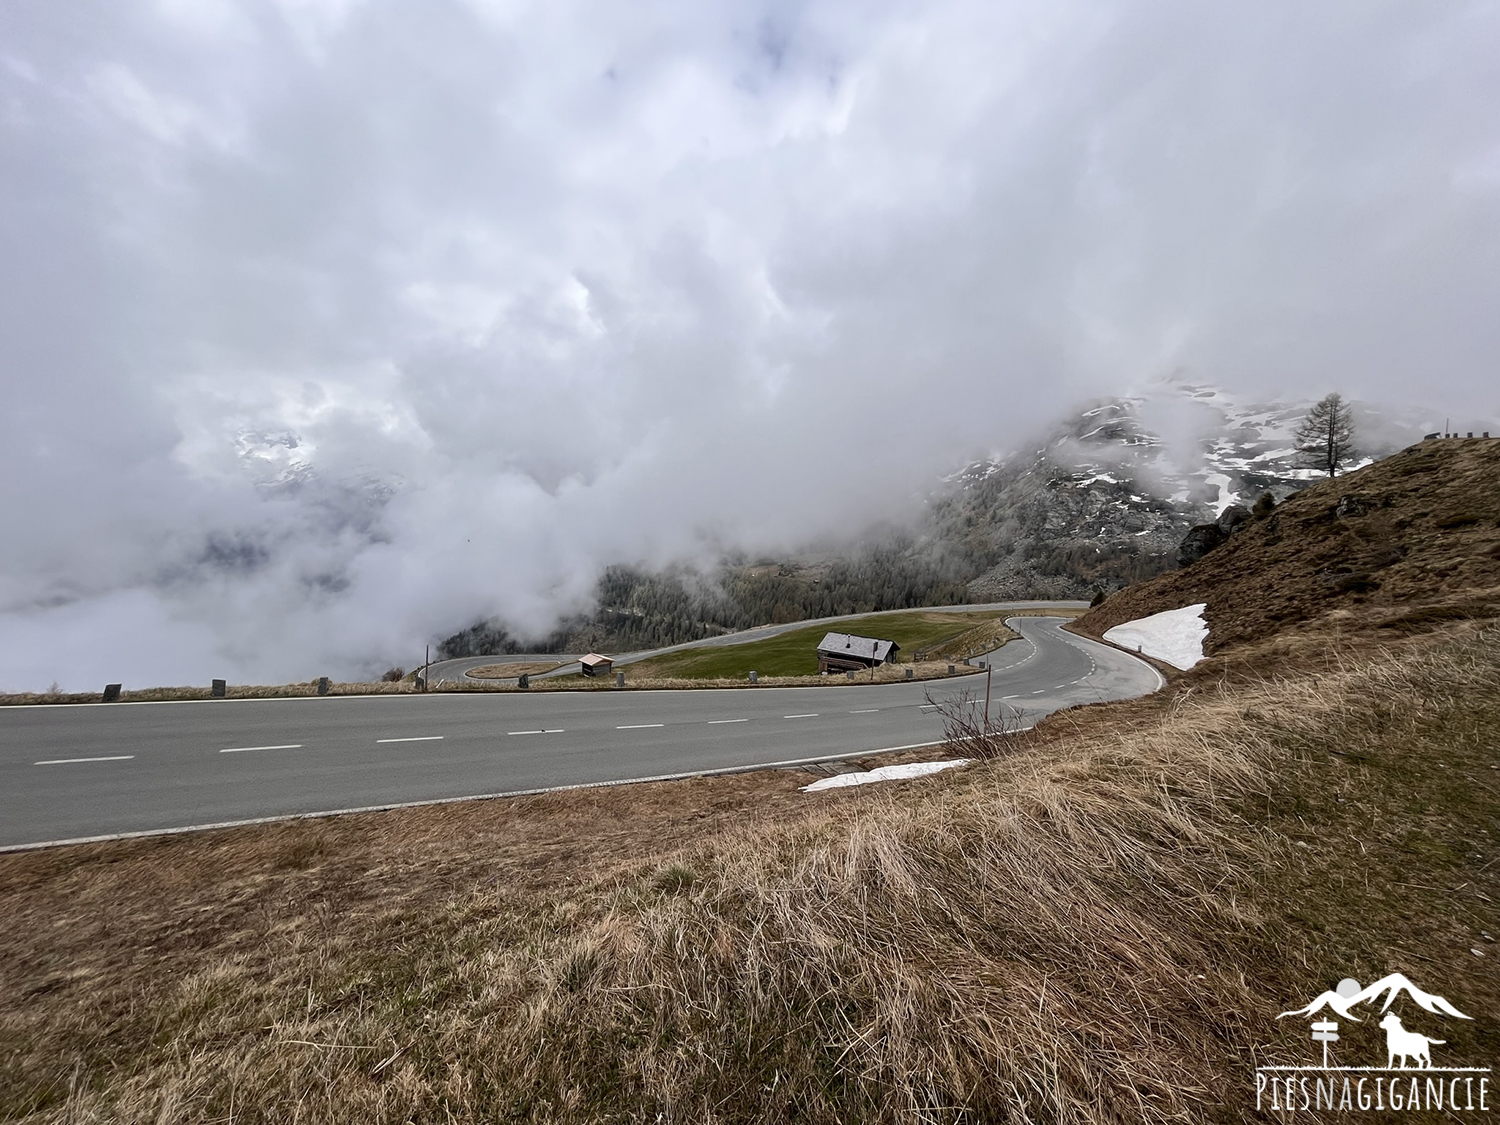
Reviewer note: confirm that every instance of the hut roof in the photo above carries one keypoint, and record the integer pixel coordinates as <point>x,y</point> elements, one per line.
<point>865,648</point>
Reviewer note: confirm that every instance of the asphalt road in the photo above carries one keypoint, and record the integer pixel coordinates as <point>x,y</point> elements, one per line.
<point>81,772</point>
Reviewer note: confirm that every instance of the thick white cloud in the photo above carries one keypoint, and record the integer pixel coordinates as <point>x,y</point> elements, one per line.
<point>327,326</point>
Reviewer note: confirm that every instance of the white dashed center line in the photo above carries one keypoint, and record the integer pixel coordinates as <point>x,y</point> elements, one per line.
<point>812,716</point>
<point>69,761</point>
<point>721,722</point>
<point>547,731</point>
<point>247,749</point>
<point>640,726</point>
<point>866,711</point>
<point>416,738</point>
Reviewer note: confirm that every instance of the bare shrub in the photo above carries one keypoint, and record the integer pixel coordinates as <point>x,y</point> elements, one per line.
<point>971,732</point>
<point>393,675</point>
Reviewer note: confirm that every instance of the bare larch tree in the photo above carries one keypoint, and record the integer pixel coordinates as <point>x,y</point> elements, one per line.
<point>1325,438</point>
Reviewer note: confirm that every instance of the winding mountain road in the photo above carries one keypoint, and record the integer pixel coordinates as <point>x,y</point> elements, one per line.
<point>69,774</point>
<point>459,668</point>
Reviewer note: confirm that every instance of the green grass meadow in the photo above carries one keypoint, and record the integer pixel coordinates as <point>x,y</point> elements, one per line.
<point>794,653</point>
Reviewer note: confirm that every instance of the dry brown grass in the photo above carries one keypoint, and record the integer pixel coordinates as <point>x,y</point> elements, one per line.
<point>891,673</point>
<point>981,639</point>
<point>511,671</point>
<point>233,691</point>
<point>1098,926</point>
<point>884,674</point>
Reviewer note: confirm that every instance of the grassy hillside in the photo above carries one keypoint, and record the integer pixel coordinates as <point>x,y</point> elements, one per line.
<point>1098,924</point>
<point>1396,546</point>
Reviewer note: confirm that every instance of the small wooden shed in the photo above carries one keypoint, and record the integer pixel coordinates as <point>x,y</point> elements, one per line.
<point>843,652</point>
<point>596,665</point>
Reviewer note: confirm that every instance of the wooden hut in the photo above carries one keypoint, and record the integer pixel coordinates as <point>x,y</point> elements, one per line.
<point>843,652</point>
<point>596,665</point>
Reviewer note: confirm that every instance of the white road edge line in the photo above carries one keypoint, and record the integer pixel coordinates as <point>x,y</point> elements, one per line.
<point>455,800</point>
<point>721,722</point>
<point>640,726</point>
<point>416,738</point>
<point>69,761</point>
<point>243,749</point>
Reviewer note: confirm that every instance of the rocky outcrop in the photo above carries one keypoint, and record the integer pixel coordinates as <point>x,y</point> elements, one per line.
<point>1198,542</point>
<point>1044,529</point>
<point>1232,518</point>
<point>1206,536</point>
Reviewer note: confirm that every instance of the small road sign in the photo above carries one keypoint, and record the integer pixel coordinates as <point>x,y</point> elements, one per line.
<point>1325,1032</point>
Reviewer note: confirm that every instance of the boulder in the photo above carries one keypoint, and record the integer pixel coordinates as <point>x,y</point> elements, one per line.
<point>1199,541</point>
<point>1232,518</point>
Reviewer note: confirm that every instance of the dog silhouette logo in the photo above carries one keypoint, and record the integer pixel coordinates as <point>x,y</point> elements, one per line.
<point>1410,1078</point>
<point>1403,1044</point>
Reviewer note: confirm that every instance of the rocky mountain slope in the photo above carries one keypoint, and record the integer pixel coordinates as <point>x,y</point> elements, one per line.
<point>1105,499</point>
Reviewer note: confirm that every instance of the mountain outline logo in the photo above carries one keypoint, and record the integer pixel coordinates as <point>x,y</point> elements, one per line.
<point>1410,1078</point>
<point>1348,993</point>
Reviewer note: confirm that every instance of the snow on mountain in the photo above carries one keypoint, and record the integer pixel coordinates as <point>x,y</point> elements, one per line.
<point>273,460</point>
<point>1199,446</point>
<point>1105,497</point>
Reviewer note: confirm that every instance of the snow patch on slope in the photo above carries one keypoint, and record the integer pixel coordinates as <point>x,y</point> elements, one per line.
<point>884,773</point>
<point>1175,636</point>
<point>1227,495</point>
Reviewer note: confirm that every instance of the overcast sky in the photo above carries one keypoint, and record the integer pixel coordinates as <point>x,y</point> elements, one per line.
<point>501,293</point>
